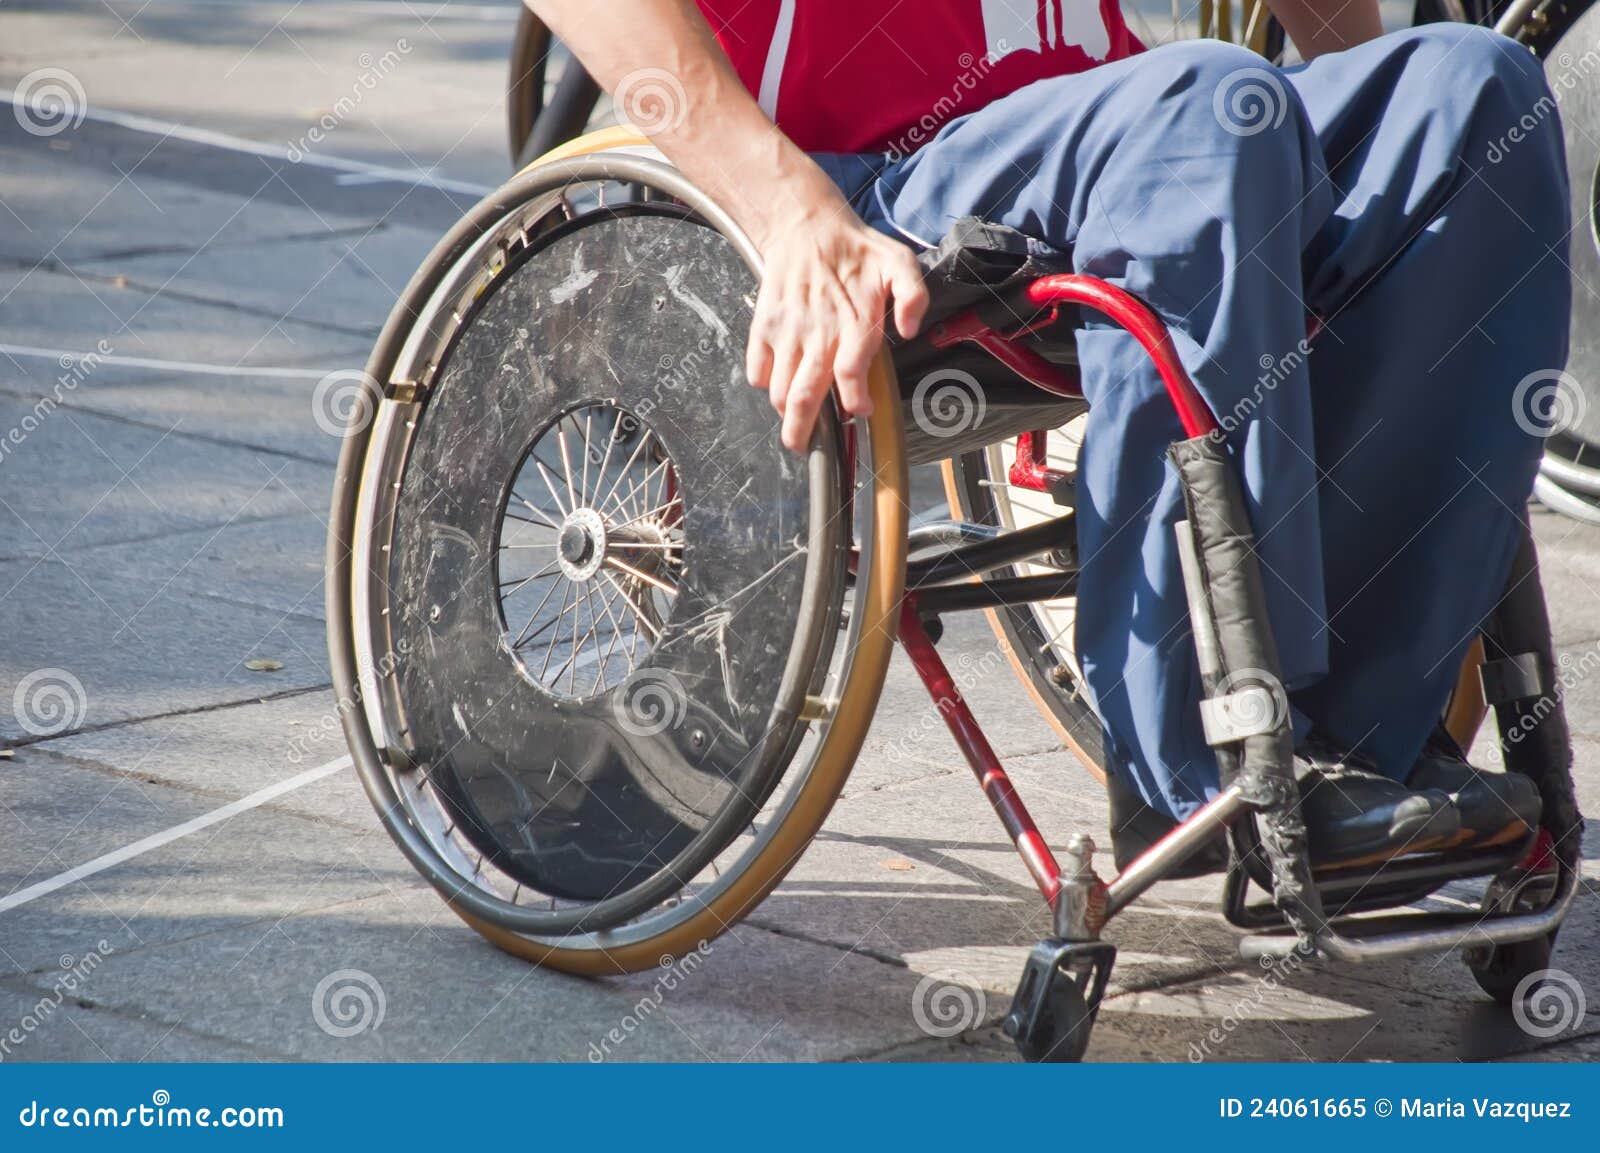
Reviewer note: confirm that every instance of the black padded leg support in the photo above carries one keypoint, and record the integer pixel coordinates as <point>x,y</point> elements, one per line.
<point>1231,596</point>
<point>1533,730</point>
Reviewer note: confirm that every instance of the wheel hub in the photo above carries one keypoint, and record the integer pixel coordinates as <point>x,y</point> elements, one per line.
<point>581,546</point>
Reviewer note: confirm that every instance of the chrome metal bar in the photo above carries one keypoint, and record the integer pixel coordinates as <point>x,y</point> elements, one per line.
<point>948,533</point>
<point>1569,475</point>
<point>1515,17</point>
<point>1492,930</point>
<point>1177,846</point>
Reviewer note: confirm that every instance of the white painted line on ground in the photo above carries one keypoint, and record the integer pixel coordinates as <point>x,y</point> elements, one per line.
<point>65,357</point>
<point>167,836</point>
<point>228,142</point>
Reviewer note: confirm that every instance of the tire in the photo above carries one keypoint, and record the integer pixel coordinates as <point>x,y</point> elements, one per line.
<point>530,50</point>
<point>455,783</point>
<point>535,125</point>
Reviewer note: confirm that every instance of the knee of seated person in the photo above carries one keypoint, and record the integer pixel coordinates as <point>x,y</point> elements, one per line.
<point>1470,60</point>
<point>1225,92</point>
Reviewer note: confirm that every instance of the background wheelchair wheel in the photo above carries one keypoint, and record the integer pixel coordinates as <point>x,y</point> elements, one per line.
<point>1037,638</point>
<point>1569,477</point>
<point>610,678</point>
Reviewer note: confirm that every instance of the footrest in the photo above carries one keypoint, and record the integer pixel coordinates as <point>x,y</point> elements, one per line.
<point>1405,934</point>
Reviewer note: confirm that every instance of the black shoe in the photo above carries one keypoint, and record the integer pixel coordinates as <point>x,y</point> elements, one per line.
<point>1355,816</point>
<point>1495,808</point>
<point>1135,826</point>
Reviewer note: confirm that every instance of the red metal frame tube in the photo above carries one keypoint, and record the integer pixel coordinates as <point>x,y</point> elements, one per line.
<point>1144,326</point>
<point>980,755</point>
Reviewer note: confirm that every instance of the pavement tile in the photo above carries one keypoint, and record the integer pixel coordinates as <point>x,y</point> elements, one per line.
<point>96,648</point>
<point>246,873</point>
<point>225,754</point>
<point>77,479</point>
<point>77,1029</point>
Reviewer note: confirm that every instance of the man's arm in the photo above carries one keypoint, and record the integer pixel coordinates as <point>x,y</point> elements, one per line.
<point>828,278</point>
<point>1318,26</point>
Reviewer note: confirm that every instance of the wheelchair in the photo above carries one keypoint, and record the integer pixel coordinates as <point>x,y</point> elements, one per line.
<point>606,653</point>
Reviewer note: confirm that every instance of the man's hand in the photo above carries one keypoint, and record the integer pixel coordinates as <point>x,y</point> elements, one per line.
<point>828,284</point>
<point>828,279</point>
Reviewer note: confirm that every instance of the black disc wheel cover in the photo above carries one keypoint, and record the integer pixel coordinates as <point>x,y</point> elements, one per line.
<point>598,797</point>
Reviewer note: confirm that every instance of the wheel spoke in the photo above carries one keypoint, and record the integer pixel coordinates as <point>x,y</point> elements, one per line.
<point>566,461</point>
<point>533,616</point>
<point>639,574</point>
<point>544,475</point>
<point>645,515</point>
<point>519,583</point>
<point>633,606</point>
<point>632,456</point>
<point>534,509</point>
<point>623,505</point>
<point>611,443</point>
<point>588,431</point>
<point>550,649</point>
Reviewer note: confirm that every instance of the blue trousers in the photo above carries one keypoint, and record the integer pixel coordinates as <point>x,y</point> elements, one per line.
<point>1410,193</point>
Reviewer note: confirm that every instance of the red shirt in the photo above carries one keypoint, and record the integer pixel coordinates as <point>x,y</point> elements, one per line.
<point>886,75</point>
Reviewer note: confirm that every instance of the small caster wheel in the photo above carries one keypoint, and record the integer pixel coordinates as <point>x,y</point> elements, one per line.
<point>1061,1034</point>
<point>1501,969</point>
<point>1053,1011</point>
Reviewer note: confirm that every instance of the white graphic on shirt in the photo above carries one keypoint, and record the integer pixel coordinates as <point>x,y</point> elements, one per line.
<point>1009,25</point>
<point>777,53</point>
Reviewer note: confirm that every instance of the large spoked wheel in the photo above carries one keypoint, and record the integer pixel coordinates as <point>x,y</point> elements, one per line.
<point>606,672</point>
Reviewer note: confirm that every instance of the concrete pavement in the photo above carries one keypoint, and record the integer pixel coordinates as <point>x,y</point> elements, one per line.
<point>161,526</point>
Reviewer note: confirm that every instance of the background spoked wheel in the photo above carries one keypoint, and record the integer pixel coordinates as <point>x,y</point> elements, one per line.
<point>1038,637</point>
<point>611,673</point>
